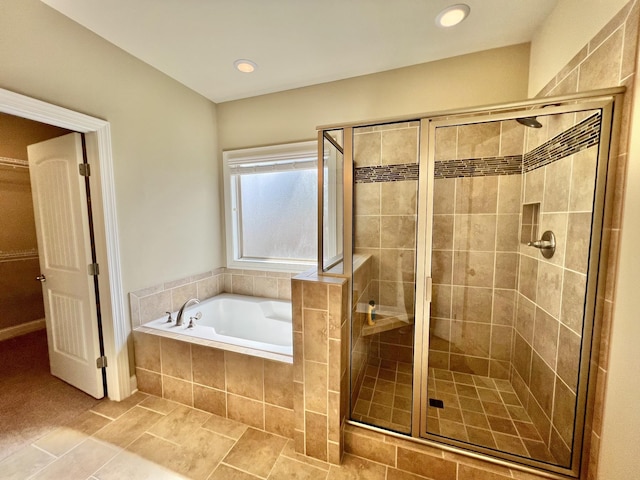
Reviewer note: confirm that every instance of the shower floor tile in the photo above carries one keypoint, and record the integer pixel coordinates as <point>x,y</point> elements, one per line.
<point>385,396</point>
<point>483,411</point>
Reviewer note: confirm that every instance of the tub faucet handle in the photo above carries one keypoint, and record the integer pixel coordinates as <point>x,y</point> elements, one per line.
<point>192,320</point>
<point>169,318</point>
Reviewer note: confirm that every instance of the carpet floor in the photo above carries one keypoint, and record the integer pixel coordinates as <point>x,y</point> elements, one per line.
<point>32,401</point>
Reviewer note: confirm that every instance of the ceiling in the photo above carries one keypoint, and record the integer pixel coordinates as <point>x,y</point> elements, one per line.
<point>296,43</point>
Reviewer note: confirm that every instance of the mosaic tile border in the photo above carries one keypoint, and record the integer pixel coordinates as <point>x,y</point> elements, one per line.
<point>387,173</point>
<point>479,167</point>
<point>580,137</point>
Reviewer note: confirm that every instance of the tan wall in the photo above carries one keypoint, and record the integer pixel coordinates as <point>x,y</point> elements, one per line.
<point>491,76</point>
<point>163,138</point>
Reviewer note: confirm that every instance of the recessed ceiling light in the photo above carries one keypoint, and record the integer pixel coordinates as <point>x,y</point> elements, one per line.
<point>452,15</point>
<point>245,66</point>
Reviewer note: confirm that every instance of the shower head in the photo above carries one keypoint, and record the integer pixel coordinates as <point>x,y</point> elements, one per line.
<point>530,122</point>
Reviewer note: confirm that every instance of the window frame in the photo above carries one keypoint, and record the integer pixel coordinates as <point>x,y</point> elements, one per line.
<point>260,158</point>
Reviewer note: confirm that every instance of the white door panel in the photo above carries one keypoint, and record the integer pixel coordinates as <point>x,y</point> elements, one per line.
<point>64,244</point>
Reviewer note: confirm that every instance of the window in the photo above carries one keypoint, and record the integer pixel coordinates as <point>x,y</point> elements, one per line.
<point>271,207</point>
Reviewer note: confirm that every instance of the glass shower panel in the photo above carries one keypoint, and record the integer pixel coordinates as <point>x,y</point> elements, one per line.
<point>508,315</point>
<point>332,201</point>
<point>384,246</point>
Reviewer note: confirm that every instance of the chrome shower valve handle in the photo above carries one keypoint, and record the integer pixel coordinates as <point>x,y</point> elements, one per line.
<point>547,244</point>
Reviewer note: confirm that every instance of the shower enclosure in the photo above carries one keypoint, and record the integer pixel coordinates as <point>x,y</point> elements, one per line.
<point>473,239</point>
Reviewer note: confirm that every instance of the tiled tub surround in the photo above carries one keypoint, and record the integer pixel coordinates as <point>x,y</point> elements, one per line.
<point>320,364</point>
<point>151,303</point>
<point>256,391</point>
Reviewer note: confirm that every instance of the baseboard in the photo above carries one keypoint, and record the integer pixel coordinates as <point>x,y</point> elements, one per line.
<point>22,329</point>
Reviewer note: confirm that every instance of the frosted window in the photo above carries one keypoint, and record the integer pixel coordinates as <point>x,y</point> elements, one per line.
<point>278,215</point>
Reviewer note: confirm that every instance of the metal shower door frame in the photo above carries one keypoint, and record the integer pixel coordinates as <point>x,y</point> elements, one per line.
<point>609,103</point>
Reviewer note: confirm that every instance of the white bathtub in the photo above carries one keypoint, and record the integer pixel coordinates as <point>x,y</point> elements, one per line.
<point>239,321</point>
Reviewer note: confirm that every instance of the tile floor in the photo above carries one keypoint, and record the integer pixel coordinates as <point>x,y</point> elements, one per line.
<point>478,410</point>
<point>146,437</point>
<point>483,411</point>
<point>385,396</point>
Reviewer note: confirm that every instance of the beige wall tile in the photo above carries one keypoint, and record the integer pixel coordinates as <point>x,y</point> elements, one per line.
<point>180,391</point>
<point>180,295</point>
<point>245,375</point>
<point>399,146</point>
<point>397,231</point>
<point>278,383</point>
<point>444,195</point>
<point>279,420</point>
<point>316,435</point>
<point>147,351</point>
<point>602,66</point>
<point>366,149</point>
<point>549,288</point>
<point>475,232</point>
<point>573,293</point>
<point>476,195</point>
<point>545,337</point>
<point>366,197</point>
<point>479,140</point>
<point>154,306</point>
<point>315,335</point>
<point>528,277</point>
<point>511,139</point>
<point>210,400</point>
<point>557,185</point>
<point>426,465</point>
<point>446,143</point>
<point>149,382</point>
<point>208,366</point>
<point>315,386</point>
<point>473,268</point>
<point>245,410</point>
<point>472,304</point>
<point>176,358</point>
<point>398,198</point>
<point>583,180</point>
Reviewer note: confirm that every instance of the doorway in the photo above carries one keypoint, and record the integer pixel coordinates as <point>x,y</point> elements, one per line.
<point>98,145</point>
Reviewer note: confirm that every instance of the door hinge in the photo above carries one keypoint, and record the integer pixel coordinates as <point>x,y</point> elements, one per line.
<point>101,362</point>
<point>84,170</point>
<point>93,268</point>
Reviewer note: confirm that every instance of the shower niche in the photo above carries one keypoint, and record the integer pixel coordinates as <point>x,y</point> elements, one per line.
<point>464,330</point>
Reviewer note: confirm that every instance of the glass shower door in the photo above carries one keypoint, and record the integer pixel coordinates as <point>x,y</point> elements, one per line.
<point>384,258</point>
<point>512,240</point>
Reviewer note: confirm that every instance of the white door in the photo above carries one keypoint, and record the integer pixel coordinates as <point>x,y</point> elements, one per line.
<point>64,245</point>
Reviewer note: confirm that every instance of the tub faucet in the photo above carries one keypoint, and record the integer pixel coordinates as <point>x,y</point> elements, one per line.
<point>181,311</point>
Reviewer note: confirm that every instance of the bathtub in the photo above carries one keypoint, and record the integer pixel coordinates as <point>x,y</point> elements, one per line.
<point>237,323</point>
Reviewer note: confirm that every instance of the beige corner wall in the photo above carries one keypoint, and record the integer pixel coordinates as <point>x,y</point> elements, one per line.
<point>491,76</point>
<point>164,142</point>
<point>570,26</point>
